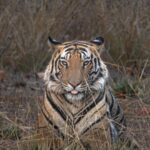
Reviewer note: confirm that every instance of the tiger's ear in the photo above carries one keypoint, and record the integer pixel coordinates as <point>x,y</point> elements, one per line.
<point>52,42</point>
<point>99,41</point>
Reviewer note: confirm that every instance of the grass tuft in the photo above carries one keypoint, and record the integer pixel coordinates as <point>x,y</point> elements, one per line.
<point>11,132</point>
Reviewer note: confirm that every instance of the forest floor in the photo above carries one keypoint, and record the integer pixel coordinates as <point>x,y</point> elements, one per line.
<point>19,106</point>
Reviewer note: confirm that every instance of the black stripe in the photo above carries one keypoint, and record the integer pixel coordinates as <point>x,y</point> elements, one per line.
<point>69,49</point>
<point>122,120</point>
<point>67,45</point>
<point>97,121</point>
<point>112,102</point>
<point>52,78</point>
<point>82,113</point>
<point>83,53</point>
<point>82,49</point>
<point>95,61</point>
<point>59,111</point>
<point>97,77</point>
<point>80,55</point>
<point>62,58</point>
<point>56,61</point>
<point>100,74</point>
<point>99,62</point>
<point>88,58</point>
<point>52,65</point>
<point>94,72</point>
<point>60,134</point>
<point>79,43</point>
<point>85,45</point>
<point>118,111</point>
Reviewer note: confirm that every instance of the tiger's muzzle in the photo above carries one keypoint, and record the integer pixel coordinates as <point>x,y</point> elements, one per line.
<point>74,92</point>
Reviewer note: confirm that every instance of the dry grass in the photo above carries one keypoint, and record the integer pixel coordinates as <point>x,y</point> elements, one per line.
<point>19,109</point>
<point>24,28</point>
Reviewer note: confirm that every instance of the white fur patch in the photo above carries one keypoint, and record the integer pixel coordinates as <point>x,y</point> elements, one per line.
<point>113,132</point>
<point>100,83</point>
<point>76,97</point>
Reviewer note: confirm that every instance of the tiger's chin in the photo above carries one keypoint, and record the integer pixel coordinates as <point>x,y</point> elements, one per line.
<point>74,97</point>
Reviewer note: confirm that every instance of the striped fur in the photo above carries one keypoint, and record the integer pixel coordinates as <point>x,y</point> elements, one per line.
<point>77,97</point>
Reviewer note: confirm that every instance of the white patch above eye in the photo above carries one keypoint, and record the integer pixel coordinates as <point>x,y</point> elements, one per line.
<point>67,56</point>
<point>88,52</point>
<point>64,55</point>
<point>85,54</point>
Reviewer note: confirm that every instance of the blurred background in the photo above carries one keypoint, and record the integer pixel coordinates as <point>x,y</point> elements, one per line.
<point>24,29</point>
<point>26,24</point>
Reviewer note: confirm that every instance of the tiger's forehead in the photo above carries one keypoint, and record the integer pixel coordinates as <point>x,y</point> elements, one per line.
<point>78,43</point>
<point>84,47</point>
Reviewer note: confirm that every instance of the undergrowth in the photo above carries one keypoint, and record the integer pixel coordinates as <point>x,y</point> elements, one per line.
<point>26,25</point>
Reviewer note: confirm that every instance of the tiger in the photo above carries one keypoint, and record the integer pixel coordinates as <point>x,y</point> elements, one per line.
<point>78,99</point>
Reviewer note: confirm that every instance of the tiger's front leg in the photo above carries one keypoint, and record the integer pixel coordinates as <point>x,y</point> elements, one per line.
<point>121,138</point>
<point>113,133</point>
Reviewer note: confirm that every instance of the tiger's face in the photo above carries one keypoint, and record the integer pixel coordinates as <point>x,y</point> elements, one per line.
<point>76,70</point>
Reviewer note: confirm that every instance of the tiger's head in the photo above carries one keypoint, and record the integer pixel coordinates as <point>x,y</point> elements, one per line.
<point>76,69</point>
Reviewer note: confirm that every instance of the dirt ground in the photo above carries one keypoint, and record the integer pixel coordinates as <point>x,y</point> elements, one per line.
<point>19,105</point>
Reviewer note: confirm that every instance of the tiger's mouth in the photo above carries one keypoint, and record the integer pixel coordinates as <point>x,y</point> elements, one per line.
<point>74,92</point>
<point>77,93</point>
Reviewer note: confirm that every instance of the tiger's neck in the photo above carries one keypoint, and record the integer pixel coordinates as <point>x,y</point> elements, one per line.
<point>61,112</point>
<point>71,107</point>
<point>67,109</point>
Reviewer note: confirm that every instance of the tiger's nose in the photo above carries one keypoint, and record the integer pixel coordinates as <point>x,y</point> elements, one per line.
<point>74,84</point>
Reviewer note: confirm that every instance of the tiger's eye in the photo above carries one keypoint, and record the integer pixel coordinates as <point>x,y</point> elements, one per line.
<point>63,62</point>
<point>86,63</point>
